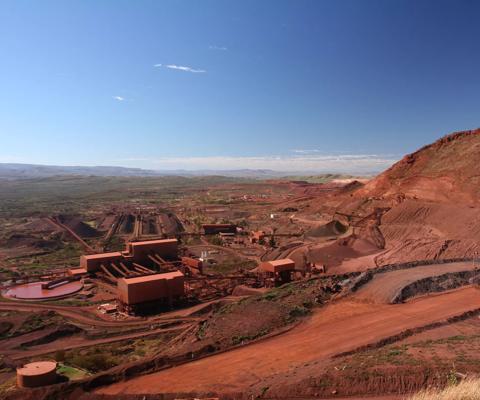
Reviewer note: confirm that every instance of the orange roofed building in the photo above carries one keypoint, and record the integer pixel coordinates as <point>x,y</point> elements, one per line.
<point>150,290</point>
<point>277,272</point>
<point>136,252</point>
<point>278,266</point>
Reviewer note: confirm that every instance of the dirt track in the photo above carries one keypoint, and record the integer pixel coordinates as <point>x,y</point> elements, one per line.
<point>328,332</point>
<point>80,341</point>
<point>384,287</point>
<point>87,315</point>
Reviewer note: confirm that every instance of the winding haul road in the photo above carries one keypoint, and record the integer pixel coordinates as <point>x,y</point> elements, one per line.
<point>385,286</point>
<point>338,327</point>
<point>87,316</point>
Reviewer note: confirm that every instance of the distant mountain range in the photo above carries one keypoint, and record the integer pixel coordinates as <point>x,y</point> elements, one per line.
<point>29,171</point>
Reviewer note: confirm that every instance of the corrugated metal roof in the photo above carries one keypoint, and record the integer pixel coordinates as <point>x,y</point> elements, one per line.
<point>283,261</point>
<point>102,255</point>
<point>149,242</point>
<point>154,277</point>
<point>78,270</point>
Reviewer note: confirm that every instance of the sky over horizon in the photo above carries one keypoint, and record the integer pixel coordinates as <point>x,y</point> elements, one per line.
<point>327,85</point>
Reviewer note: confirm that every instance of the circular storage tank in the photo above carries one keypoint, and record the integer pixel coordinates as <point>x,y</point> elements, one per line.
<point>35,291</point>
<point>36,374</point>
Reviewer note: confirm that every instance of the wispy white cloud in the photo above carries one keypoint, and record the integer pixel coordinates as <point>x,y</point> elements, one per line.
<point>306,151</point>
<point>180,68</point>
<point>316,163</point>
<point>220,48</point>
<point>119,98</point>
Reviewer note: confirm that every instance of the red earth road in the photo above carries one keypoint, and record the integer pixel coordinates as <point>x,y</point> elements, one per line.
<point>336,328</point>
<point>87,314</point>
<point>385,286</point>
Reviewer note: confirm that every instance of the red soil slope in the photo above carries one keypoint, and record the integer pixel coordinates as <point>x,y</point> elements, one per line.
<point>446,170</point>
<point>417,230</point>
<point>433,200</point>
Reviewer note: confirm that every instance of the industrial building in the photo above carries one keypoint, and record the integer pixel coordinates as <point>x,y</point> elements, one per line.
<point>257,236</point>
<point>193,265</point>
<point>139,258</point>
<point>165,248</point>
<point>227,237</point>
<point>77,272</point>
<point>136,252</point>
<point>93,262</point>
<point>150,292</point>
<point>215,229</point>
<point>35,374</point>
<point>277,272</point>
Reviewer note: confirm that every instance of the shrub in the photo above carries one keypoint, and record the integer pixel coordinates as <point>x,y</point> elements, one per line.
<point>59,355</point>
<point>465,390</point>
<point>298,311</point>
<point>93,362</point>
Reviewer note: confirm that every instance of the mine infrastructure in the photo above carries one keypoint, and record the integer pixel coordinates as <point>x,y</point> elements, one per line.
<point>54,221</point>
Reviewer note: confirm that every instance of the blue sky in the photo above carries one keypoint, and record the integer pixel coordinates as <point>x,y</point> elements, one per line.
<point>292,85</point>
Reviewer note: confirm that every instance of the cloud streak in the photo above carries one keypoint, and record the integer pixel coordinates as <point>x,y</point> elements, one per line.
<point>219,48</point>
<point>306,151</point>
<point>315,163</point>
<point>180,68</point>
<point>119,98</point>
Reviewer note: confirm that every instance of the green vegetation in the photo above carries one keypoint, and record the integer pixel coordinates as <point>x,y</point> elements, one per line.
<point>33,253</point>
<point>447,354</point>
<point>202,330</point>
<point>70,194</point>
<point>94,362</point>
<point>256,316</point>
<point>34,321</point>
<point>102,357</point>
<point>70,251</point>
<point>75,302</point>
<point>215,240</point>
<point>278,293</point>
<point>7,386</point>
<point>298,311</point>
<point>271,242</point>
<point>71,373</point>
<point>3,367</point>
<point>246,338</point>
<point>230,266</point>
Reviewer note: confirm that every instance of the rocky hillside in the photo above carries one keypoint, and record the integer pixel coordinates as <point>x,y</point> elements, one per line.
<point>429,203</point>
<point>446,170</point>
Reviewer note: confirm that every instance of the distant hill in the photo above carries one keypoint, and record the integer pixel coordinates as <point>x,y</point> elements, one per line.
<point>15,171</point>
<point>31,171</point>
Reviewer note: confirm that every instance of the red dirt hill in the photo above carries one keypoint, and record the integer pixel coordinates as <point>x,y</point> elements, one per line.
<point>430,201</point>
<point>446,170</point>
